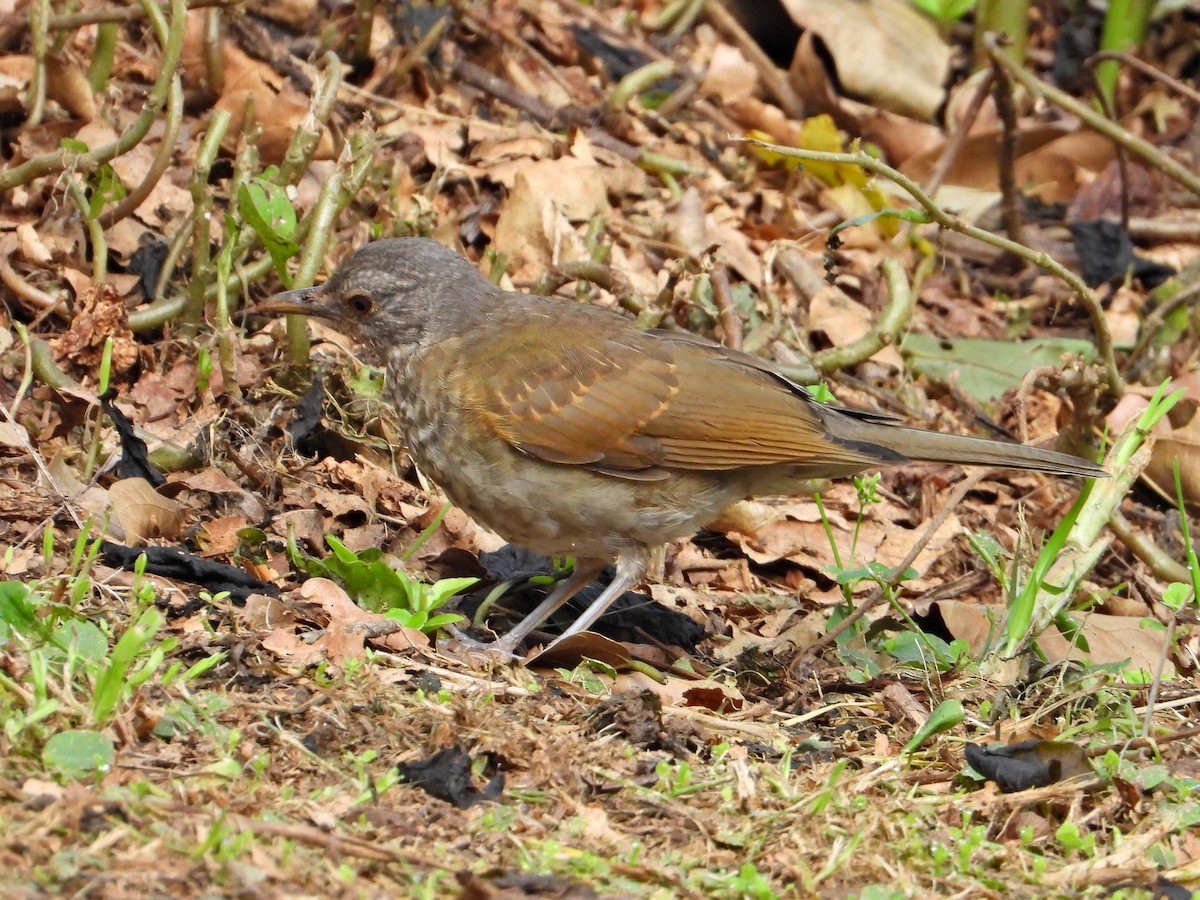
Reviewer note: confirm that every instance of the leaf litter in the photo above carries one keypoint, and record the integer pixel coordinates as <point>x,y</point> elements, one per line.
<point>274,769</point>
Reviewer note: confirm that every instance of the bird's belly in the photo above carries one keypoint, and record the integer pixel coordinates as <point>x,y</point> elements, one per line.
<point>556,509</point>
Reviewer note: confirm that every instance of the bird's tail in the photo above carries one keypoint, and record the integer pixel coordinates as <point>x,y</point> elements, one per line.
<point>934,446</point>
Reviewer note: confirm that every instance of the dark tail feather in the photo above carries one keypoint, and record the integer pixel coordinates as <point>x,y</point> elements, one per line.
<point>935,446</point>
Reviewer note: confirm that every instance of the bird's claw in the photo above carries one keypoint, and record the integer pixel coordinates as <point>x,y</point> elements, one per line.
<point>501,650</point>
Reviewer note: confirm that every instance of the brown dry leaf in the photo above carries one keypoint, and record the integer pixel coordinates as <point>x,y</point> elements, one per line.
<point>733,247</point>
<point>1110,639</point>
<point>17,562</point>
<point>278,108</point>
<point>533,232</point>
<point>977,624</point>
<point>264,613</point>
<point>730,76</point>
<point>66,84</point>
<point>62,481</point>
<point>30,243</point>
<point>99,314</point>
<point>142,512</point>
<point>884,52</point>
<point>221,535</point>
<point>883,536</point>
<point>344,613</point>
<point>346,628</point>
<point>1050,163</point>
<point>442,145</point>
<point>211,480</point>
<point>166,202</point>
<point>307,525</point>
<point>15,72</point>
<point>233,498</point>
<point>571,651</point>
<point>1055,171</point>
<point>502,154</point>
<point>575,186</point>
<point>156,397</point>
<point>286,644</point>
<point>718,697</point>
<point>1123,315</point>
<point>844,320</point>
<point>686,223</point>
<point>13,435</point>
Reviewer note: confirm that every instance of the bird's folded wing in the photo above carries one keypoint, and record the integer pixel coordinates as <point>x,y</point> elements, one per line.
<point>637,405</point>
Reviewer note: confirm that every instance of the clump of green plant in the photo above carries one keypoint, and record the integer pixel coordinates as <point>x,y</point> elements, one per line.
<point>78,674</point>
<point>378,587</point>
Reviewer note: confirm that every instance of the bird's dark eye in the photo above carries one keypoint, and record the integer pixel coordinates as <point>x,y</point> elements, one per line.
<point>360,304</point>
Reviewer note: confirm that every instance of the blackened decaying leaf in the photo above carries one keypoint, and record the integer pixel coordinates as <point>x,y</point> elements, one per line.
<point>171,562</point>
<point>310,437</point>
<point>146,263</point>
<point>1028,764</point>
<point>617,60</point>
<point>1077,40</point>
<point>626,620</point>
<point>447,776</point>
<point>1106,253</point>
<point>1165,889</point>
<point>134,462</point>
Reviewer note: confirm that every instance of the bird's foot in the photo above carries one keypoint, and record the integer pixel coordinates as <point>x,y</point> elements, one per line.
<point>503,649</point>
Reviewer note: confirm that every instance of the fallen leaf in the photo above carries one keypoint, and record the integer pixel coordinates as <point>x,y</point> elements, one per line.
<point>142,512</point>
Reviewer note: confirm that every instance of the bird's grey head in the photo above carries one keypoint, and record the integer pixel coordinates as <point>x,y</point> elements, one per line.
<point>395,293</point>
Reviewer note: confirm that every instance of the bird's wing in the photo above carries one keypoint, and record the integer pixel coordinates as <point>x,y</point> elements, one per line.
<point>637,405</point>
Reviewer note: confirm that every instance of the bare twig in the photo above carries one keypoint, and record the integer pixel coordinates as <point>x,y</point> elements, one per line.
<point>1006,159</point>
<point>962,130</point>
<point>1146,69</point>
<point>728,316</point>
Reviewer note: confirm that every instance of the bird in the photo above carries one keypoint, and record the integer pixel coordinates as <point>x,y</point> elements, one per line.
<point>569,431</point>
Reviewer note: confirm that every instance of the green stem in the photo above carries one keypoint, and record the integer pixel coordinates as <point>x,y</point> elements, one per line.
<point>162,159</point>
<point>202,209</point>
<point>102,57</point>
<point>1124,28</point>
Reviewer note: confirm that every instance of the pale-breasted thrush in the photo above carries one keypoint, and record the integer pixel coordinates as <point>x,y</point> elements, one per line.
<point>567,430</point>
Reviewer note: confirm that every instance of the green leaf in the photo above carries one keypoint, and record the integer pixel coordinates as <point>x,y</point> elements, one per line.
<point>948,714</point>
<point>106,189</point>
<point>985,369</point>
<point>265,207</point>
<point>78,754</point>
<point>17,614</point>
<point>87,640</point>
<point>112,683</point>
